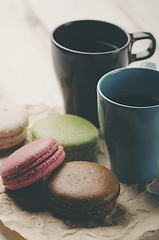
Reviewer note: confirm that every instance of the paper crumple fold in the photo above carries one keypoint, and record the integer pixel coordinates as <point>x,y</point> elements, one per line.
<point>25,214</point>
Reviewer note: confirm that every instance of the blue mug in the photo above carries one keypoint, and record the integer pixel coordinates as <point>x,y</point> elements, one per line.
<point>128,112</point>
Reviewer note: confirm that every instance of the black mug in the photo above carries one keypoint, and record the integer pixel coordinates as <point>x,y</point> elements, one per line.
<point>85,50</point>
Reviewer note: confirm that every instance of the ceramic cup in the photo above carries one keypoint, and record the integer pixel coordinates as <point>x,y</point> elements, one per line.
<point>85,50</point>
<point>128,110</point>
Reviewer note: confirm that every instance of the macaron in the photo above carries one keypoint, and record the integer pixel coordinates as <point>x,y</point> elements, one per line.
<point>78,136</point>
<point>13,124</point>
<point>31,162</point>
<point>82,190</point>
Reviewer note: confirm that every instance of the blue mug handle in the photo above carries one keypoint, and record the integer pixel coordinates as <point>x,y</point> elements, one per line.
<point>148,65</point>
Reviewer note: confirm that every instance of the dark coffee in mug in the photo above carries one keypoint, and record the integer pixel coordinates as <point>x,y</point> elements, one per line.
<point>92,46</point>
<point>137,100</point>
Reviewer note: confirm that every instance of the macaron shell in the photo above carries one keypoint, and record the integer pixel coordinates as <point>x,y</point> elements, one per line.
<point>13,116</point>
<point>39,172</point>
<point>78,136</point>
<point>27,154</point>
<point>89,182</point>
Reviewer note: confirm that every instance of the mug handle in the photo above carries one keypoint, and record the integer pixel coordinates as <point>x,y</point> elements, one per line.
<point>148,52</point>
<point>149,65</point>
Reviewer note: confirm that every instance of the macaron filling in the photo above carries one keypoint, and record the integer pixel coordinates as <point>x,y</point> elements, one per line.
<point>86,212</point>
<point>87,207</point>
<point>87,151</point>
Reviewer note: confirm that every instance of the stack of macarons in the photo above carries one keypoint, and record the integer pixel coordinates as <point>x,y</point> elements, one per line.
<point>78,136</point>
<point>82,190</point>
<point>13,124</point>
<point>76,188</point>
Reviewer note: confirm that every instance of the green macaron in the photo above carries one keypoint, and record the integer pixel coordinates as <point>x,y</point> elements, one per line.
<point>78,136</point>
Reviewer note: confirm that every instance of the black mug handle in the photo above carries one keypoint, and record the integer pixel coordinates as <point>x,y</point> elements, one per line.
<point>145,54</point>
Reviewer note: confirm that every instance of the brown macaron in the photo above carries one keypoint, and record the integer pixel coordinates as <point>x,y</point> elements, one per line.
<point>83,190</point>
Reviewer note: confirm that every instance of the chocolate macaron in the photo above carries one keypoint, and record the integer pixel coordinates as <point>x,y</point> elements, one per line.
<point>82,190</point>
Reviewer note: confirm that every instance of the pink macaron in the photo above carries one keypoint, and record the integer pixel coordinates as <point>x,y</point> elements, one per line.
<point>31,162</point>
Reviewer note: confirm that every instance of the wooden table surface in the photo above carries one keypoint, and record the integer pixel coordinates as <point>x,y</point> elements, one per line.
<point>26,70</point>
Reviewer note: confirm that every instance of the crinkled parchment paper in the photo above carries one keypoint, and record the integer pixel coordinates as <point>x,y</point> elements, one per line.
<point>25,214</point>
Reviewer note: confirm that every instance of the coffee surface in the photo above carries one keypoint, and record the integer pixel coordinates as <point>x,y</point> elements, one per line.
<point>137,100</point>
<point>93,46</point>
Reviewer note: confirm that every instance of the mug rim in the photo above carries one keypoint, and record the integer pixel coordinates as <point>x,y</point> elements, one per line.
<point>106,99</point>
<point>85,52</point>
